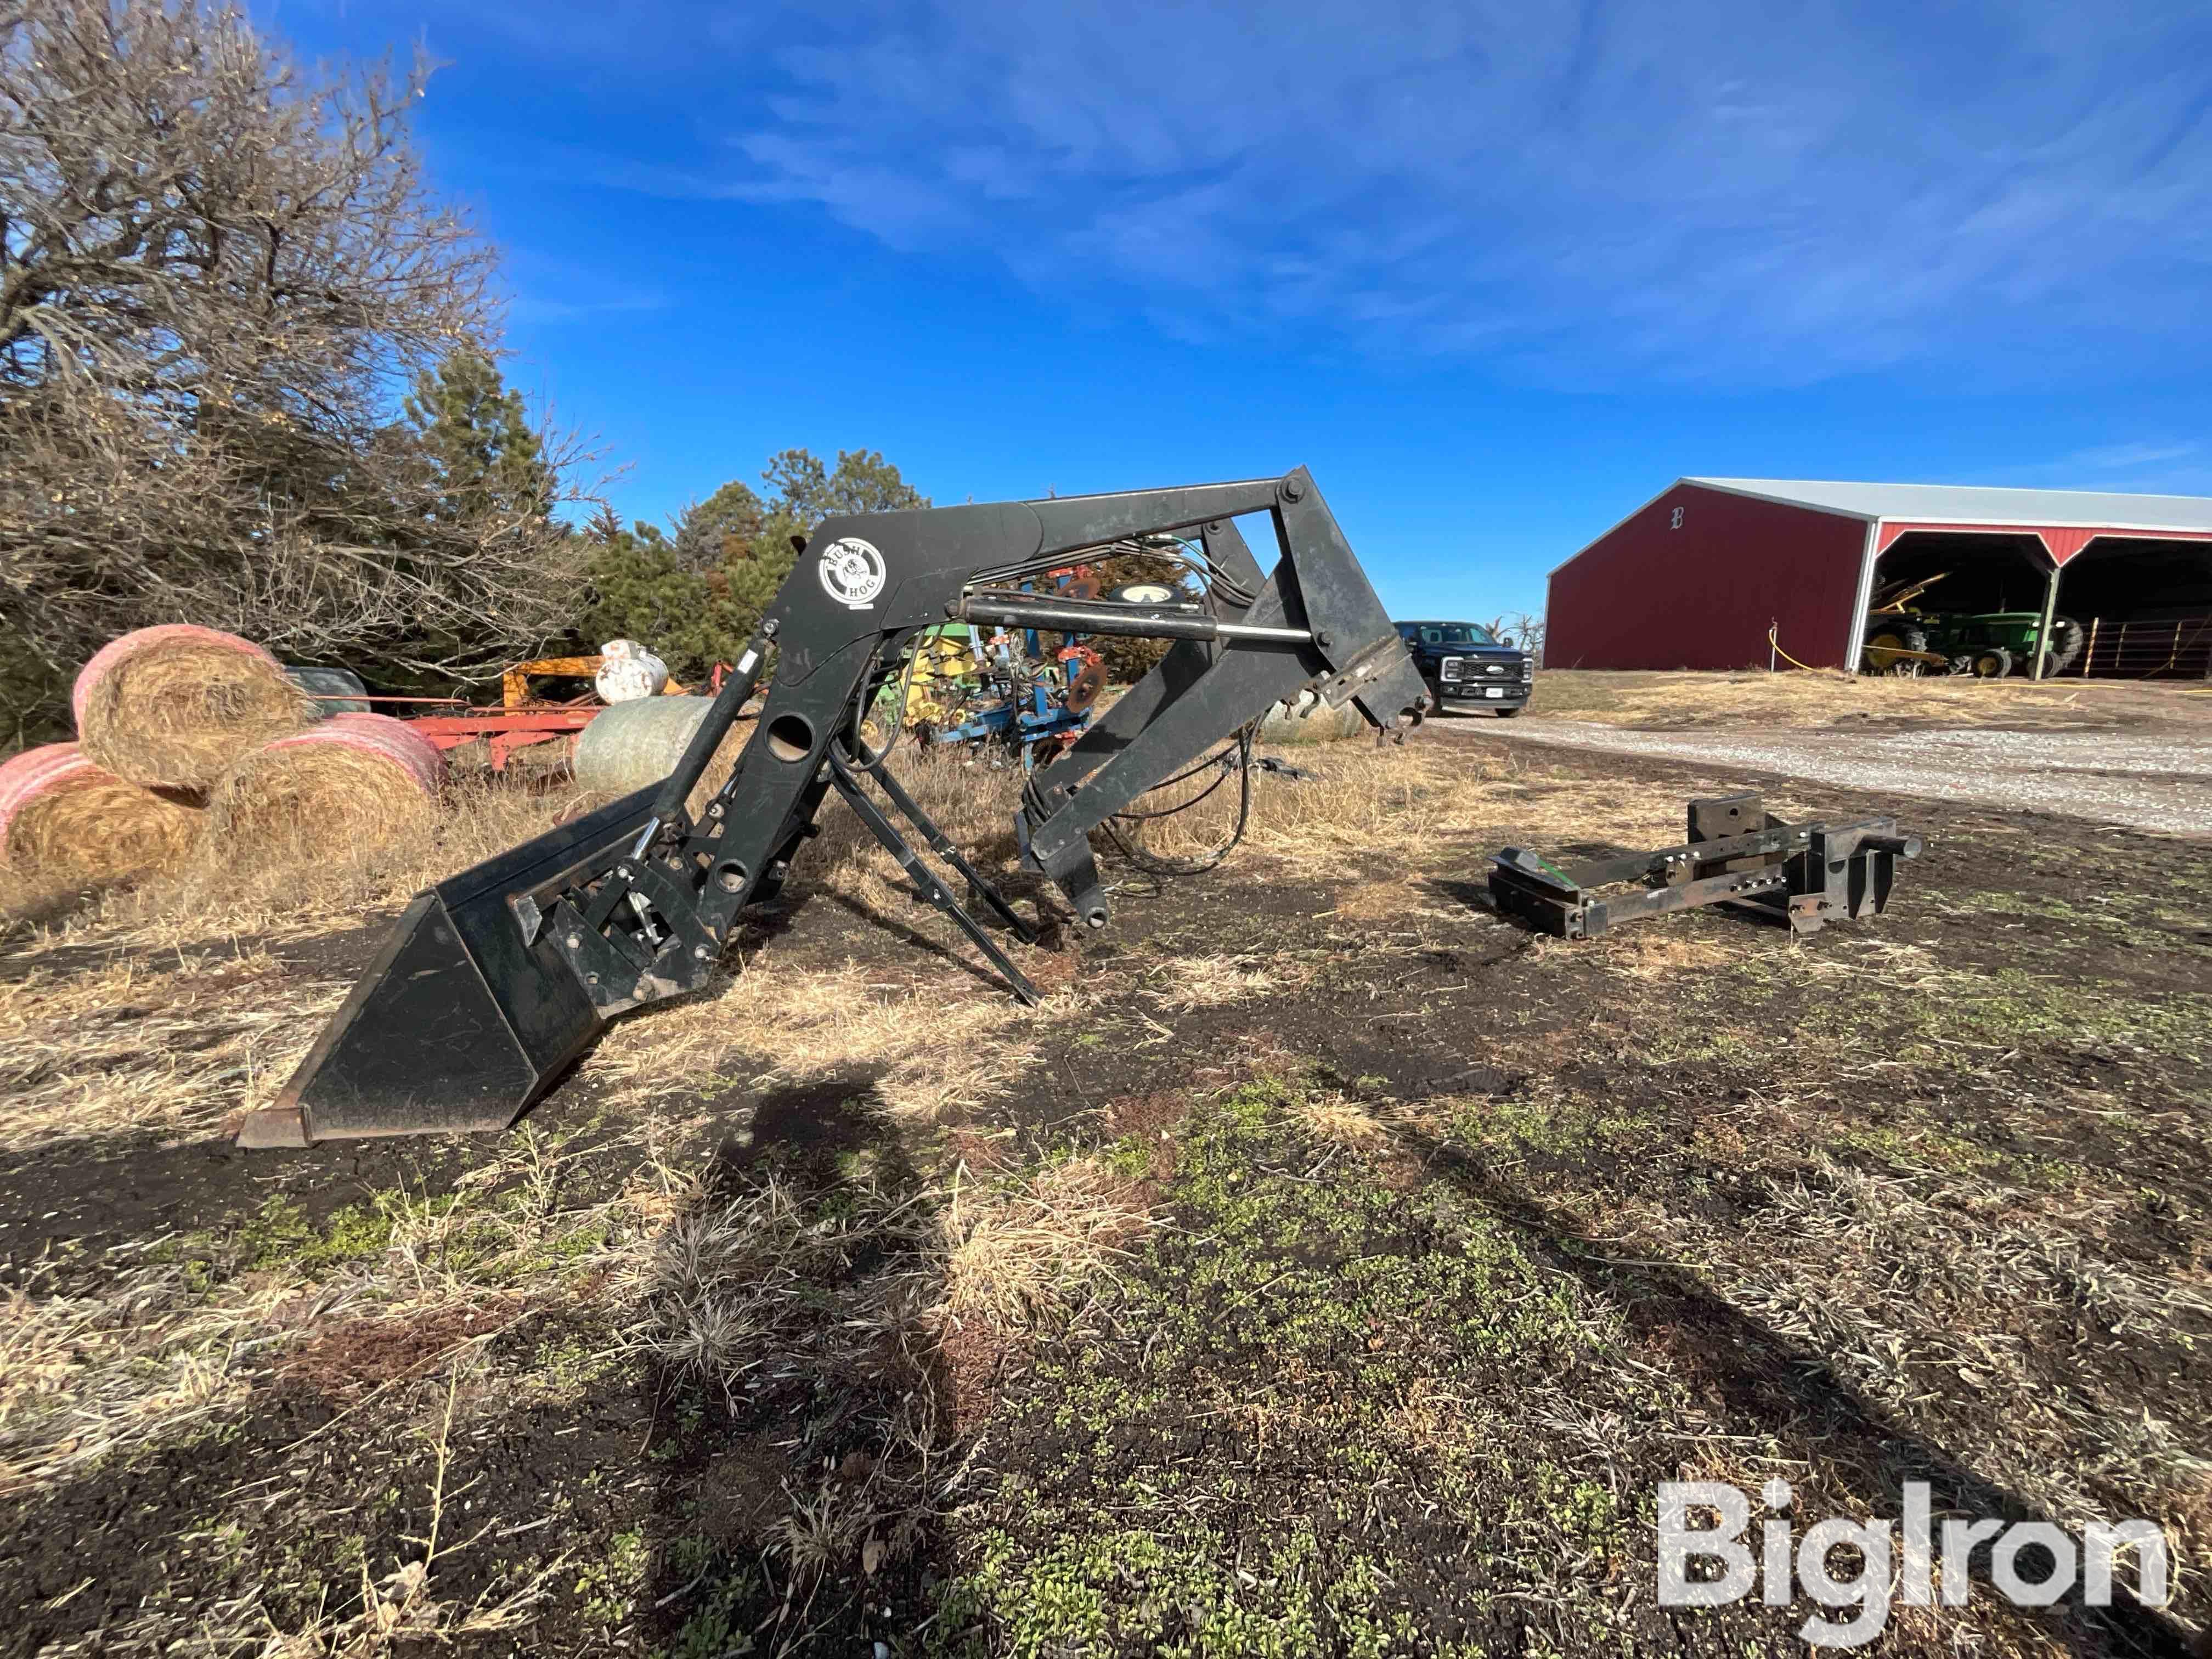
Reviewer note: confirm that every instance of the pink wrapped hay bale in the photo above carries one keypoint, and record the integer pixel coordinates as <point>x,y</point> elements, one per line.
<point>62,815</point>
<point>354,782</point>
<point>175,707</point>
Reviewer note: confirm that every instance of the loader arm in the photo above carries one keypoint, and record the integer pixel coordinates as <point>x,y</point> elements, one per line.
<point>493,982</point>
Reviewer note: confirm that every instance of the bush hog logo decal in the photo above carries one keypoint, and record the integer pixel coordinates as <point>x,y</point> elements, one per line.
<point>853,573</point>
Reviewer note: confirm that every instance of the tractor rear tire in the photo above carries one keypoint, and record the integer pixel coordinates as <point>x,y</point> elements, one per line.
<point>2067,639</point>
<point>1993,663</point>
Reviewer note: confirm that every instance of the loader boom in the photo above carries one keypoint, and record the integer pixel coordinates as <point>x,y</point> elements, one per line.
<point>493,982</point>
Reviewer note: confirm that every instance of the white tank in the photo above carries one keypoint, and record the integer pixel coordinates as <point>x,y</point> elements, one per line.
<point>628,672</point>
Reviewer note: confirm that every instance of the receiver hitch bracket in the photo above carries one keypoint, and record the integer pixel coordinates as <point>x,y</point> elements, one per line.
<point>1809,874</point>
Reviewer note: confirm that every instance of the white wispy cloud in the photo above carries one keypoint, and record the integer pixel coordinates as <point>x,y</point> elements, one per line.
<point>1731,192</point>
<point>2119,458</point>
<point>2162,466</point>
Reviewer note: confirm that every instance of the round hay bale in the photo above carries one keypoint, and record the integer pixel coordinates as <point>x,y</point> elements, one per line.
<point>174,707</point>
<point>357,782</point>
<point>633,745</point>
<point>62,815</point>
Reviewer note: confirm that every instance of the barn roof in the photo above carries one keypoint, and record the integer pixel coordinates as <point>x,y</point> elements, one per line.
<point>1974,504</point>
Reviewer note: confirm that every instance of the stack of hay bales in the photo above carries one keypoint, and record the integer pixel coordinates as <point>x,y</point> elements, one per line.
<point>160,714</point>
<point>356,782</point>
<point>190,739</point>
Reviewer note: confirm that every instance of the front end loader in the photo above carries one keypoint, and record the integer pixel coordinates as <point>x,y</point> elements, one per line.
<point>495,981</point>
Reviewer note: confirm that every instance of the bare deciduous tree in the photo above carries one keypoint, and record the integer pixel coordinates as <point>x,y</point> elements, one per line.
<point>217,274</point>
<point>1521,629</point>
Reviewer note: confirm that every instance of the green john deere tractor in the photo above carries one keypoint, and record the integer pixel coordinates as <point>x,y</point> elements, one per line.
<point>1902,638</point>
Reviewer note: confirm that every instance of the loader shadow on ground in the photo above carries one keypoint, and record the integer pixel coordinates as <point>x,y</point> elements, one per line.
<point>818,1454</point>
<point>1768,1380</point>
<point>963,957</point>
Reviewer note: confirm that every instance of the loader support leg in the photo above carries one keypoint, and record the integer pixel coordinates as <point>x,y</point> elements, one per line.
<point>943,847</point>
<point>925,879</point>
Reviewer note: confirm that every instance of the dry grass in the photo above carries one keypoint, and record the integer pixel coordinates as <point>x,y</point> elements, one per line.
<point>1182,983</point>
<point>83,1377</point>
<point>728,1288</point>
<point>1886,1289</point>
<point>1016,1250</point>
<point>1401,802</point>
<point>1655,953</point>
<point>1828,697</point>
<point>923,1041</point>
<point>161,1346</point>
<point>147,1044</point>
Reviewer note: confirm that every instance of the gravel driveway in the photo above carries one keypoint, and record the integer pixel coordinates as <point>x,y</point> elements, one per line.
<point>2160,781</point>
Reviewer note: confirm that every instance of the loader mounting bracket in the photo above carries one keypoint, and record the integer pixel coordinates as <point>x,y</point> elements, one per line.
<point>1738,853</point>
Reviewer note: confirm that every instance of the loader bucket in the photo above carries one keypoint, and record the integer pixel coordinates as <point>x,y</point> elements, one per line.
<point>466,1015</point>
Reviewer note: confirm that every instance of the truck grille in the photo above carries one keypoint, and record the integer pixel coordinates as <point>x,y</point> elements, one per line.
<point>1460,671</point>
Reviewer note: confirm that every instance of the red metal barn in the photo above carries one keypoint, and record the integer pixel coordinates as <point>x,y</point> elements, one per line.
<point>1697,576</point>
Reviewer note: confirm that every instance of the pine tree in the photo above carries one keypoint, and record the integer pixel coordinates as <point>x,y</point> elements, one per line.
<point>641,590</point>
<point>696,598</point>
<point>475,432</point>
<point>723,528</point>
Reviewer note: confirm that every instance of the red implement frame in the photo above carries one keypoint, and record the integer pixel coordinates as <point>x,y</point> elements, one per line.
<point>503,730</point>
<point>517,725</point>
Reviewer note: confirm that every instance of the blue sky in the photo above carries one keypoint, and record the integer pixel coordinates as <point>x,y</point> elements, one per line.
<point>1497,273</point>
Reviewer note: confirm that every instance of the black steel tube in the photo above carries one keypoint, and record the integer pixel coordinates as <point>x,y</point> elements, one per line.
<point>1137,622</point>
<point>1073,617</point>
<point>668,805</point>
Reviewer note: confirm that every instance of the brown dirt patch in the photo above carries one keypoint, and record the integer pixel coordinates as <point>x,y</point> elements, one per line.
<point>972,1354</point>
<point>352,1360</point>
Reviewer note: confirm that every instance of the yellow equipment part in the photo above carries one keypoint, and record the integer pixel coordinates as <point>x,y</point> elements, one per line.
<point>515,682</point>
<point>933,693</point>
<point>1886,652</point>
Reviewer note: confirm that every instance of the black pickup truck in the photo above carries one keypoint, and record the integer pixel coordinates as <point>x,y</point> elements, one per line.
<point>1466,665</point>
